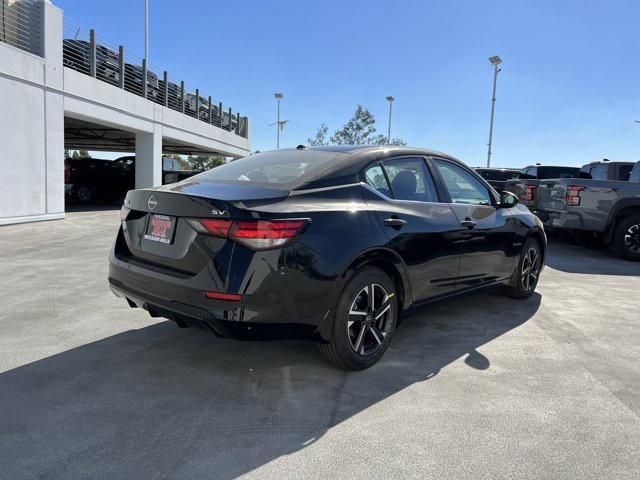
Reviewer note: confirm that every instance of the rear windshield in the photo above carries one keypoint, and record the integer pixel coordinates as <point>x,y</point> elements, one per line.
<point>558,172</point>
<point>281,169</point>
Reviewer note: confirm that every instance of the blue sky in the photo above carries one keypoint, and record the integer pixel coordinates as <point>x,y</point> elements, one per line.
<point>568,93</point>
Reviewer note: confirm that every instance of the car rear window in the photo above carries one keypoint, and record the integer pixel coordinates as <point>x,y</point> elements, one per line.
<point>283,169</point>
<point>558,172</point>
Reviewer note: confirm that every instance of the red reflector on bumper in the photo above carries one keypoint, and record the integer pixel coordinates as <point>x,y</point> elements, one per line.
<point>229,297</point>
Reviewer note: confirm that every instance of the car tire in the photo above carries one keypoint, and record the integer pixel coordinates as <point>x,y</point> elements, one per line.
<point>626,239</point>
<point>362,330</point>
<point>85,194</point>
<point>525,279</point>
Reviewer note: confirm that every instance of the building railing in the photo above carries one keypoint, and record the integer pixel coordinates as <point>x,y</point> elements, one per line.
<point>86,53</point>
<point>21,24</point>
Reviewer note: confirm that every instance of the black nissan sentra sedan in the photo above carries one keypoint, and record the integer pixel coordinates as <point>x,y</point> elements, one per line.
<point>327,243</point>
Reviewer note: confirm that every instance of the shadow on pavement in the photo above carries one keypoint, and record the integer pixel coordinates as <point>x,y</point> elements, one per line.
<point>578,259</point>
<point>161,401</point>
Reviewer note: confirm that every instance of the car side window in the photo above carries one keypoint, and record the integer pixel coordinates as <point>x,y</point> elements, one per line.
<point>411,180</point>
<point>463,187</point>
<point>374,176</point>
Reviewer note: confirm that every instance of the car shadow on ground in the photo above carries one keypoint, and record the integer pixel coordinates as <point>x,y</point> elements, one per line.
<point>579,259</point>
<point>161,401</point>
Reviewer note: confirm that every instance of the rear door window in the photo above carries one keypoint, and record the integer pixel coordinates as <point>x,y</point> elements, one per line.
<point>411,180</point>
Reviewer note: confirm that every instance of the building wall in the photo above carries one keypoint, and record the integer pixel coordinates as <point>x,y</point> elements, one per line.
<point>32,129</point>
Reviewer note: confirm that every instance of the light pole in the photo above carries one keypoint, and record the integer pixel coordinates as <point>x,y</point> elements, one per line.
<point>495,61</point>
<point>390,99</point>
<point>146,31</point>
<point>279,96</point>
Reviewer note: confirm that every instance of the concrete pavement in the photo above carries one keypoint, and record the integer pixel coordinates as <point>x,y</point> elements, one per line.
<point>483,386</point>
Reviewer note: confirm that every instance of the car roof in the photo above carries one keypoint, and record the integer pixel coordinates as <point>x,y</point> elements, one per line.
<point>349,160</point>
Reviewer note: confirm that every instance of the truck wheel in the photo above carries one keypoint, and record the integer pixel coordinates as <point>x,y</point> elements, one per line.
<point>364,321</point>
<point>626,240</point>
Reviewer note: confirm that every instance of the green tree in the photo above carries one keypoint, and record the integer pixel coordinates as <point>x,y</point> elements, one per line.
<point>204,162</point>
<point>359,130</point>
<point>84,154</point>
<point>320,138</point>
<point>67,154</point>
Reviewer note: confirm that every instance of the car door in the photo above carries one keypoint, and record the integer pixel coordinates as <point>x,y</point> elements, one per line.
<point>487,232</point>
<point>420,228</point>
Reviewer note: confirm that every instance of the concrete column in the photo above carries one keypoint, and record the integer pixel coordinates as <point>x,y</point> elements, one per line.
<point>53,107</point>
<point>149,158</point>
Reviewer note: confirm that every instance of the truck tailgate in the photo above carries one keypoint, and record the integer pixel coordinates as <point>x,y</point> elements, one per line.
<point>552,196</point>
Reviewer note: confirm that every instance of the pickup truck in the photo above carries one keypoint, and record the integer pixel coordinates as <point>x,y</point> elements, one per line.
<point>606,210</point>
<point>497,177</point>
<point>526,185</point>
<point>606,170</point>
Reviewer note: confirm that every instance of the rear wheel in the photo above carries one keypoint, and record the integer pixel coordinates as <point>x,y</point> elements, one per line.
<point>85,194</point>
<point>364,321</point>
<point>525,279</point>
<point>626,240</point>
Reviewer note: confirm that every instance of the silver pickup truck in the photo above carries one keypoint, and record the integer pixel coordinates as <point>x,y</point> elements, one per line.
<point>608,210</point>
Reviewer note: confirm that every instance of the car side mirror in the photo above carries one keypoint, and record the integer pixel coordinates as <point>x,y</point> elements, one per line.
<point>508,200</point>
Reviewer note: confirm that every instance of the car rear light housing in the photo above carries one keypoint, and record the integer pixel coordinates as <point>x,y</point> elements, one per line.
<point>530,192</point>
<point>573,195</point>
<point>254,234</point>
<point>124,213</point>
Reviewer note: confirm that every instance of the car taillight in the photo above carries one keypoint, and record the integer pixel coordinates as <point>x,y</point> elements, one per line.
<point>530,192</point>
<point>124,213</point>
<point>255,234</point>
<point>573,195</point>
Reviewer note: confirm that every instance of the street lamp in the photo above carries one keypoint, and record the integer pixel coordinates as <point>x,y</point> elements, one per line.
<point>390,99</point>
<point>279,125</point>
<point>146,31</point>
<point>495,61</point>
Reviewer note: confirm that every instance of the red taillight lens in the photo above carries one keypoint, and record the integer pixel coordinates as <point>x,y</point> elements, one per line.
<point>255,234</point>
<point>530,192</point>
<point>573,195</point>
<point>229,297</point>
<point>217,227</point>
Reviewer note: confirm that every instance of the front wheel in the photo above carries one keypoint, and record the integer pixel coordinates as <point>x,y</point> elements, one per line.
<point>364,321</point>
<point>525,279</point>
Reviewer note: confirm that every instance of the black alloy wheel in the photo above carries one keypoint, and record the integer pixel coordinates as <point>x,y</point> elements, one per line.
<point>364,321</point>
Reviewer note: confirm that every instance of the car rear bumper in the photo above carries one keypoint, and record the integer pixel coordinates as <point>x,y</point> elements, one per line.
<point>560,220</point>
<point>275,304</point>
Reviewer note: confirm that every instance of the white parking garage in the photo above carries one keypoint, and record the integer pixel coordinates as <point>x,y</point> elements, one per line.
<point>47,106</point>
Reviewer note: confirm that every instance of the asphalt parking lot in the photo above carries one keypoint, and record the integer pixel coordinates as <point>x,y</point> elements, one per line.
<point>483,386</point>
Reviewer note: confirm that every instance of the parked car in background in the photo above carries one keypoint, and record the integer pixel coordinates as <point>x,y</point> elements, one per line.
<point>497,177</point>
<point>599,211</point>
<point>526,185</point>
<point>326,243</point>
<point>607,170</point>
<point>76,56</point>
<point>90,180</point>
<point>634,176</point>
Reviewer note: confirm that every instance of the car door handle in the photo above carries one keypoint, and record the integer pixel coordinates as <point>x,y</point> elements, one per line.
<point>394,222</point>
<point>470,224</point>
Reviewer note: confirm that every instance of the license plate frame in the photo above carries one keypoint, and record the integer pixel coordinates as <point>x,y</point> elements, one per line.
<point>160,228</point>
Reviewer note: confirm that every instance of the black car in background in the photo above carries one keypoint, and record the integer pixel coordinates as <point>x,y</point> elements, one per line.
<point>89,180</point>
<point>497,177</point>
<point>327,243</point>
